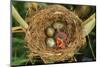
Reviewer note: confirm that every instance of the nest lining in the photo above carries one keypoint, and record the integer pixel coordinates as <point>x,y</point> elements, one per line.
<point>35,34</point>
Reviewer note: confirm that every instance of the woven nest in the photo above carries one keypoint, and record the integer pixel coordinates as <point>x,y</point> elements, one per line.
<point>35,34</point>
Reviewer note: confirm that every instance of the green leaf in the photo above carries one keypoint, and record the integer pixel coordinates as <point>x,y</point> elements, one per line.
<point>18,61</point>
<point>89,24</point>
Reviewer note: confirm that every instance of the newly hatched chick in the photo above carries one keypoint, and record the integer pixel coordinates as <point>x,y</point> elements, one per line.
<point>61,37</point>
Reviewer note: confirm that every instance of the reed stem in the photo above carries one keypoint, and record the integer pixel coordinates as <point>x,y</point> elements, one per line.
<point>19,18</point>
<point>89,24</point>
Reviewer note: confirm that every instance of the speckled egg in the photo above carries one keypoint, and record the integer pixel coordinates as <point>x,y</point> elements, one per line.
<point>50,42</point>
<point>58,25</point>
<point>50,31</point>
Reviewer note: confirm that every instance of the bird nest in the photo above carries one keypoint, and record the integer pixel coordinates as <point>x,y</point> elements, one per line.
<point>36,34</point>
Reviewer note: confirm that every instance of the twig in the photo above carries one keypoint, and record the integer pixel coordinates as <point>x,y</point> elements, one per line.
<point>19,18</point>
<point>75,59</point>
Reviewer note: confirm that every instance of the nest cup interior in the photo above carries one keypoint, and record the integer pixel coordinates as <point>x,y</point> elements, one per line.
<point>36,36</point>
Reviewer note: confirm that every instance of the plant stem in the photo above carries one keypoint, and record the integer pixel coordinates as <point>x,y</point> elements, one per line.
<point>91,47</point>
<point>17,29</point>
<point>89,24</point>
<point>19,18</point>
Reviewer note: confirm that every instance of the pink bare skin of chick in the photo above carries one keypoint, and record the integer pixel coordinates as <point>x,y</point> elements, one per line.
<point>60,38</point>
